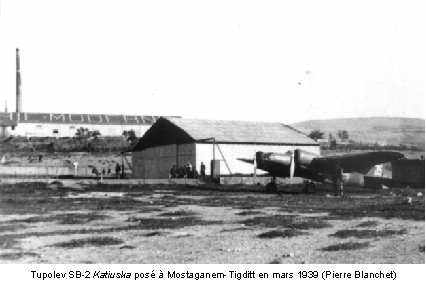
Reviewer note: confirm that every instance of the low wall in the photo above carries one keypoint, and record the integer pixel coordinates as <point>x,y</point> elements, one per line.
<point>70,182</point>
<point>35,171</point>
<point>259,180</point>
<point>11,178</point>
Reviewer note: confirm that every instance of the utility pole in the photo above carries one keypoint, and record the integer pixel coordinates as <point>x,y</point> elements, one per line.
<point>18,84</point>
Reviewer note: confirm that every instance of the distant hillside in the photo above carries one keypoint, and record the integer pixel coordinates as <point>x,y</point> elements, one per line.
<point>381,130</point>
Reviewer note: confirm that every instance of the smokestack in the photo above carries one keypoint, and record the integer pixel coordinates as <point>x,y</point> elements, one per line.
<point>18,83</point>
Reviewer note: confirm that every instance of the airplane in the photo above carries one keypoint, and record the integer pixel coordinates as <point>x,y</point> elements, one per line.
<point>312,167</point>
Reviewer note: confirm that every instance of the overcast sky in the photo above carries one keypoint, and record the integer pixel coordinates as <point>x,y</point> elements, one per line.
<point>247,60</point>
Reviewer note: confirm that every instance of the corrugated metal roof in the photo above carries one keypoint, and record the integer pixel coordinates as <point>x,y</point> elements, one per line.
<point>241,131</point>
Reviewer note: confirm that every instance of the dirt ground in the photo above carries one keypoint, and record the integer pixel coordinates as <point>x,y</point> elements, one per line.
<point>49,223</point>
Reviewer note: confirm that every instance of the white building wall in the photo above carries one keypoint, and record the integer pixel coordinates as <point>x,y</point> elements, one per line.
<point>69,130</point>
<point>4,131</point>
<point>231,152</point>
<point>156,162</point>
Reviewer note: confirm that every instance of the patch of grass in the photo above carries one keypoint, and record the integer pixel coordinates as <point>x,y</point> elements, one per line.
<point>275,261</point>
<point>270,221</point>
<point>127,247</point>
<point>246,207</point>
<point>13,201</point>
<point>366,234</point>
<point>36,200</point>
<point>368,224</point>
<point>287,221</point>
<point>43,201</point>
<point>92,241</point>
<point>10,227</point>
<point>139,194</point>
<point>170,205</point>
<point>235,229</point>
<point>148,210</point>
<point>310,223</point>
<point>141,224</point>
<point>384,208</point>
<point>17,255</point>
<point>81,218</point>
<point>171,223</point>
<point>8,241</point>
<point>118,203</point>
<point>184,236</point>
<point>346,246</point>
<point>178,213</point>
<point>71,218</point>
<point>281,234</point>
<point>249,212</point>
<point>156,233</point>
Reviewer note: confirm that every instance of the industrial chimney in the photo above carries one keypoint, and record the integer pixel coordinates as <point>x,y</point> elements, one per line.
<point>18,84</point>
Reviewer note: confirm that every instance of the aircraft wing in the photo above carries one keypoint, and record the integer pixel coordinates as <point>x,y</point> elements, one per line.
<point>249,161</point>
<point>360,162</point>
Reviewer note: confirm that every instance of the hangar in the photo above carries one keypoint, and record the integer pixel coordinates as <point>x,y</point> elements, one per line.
<point>178,141</point>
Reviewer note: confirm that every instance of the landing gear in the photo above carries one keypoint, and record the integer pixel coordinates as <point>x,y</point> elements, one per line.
<point>338,187</point>
<point>272,186</point>
<point>310,187</point>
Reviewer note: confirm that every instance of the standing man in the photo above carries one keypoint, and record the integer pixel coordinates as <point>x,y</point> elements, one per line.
<point>117,170</point>
<point>202,170</point>
<point>173,171</point>
<point>337,180</point>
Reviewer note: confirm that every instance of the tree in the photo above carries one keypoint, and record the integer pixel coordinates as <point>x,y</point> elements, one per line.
<point>95,133</point>
<point>316,134</point>
<point>130,136</point>
<point>84,134</point>
<point>332,141</point>
<point>343,135</point>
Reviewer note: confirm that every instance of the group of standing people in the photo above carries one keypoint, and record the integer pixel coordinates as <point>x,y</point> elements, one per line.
<point>107,172</point>
<point>187,171</point>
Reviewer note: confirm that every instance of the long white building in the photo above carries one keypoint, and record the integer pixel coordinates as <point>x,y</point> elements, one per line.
<point>66,125</point>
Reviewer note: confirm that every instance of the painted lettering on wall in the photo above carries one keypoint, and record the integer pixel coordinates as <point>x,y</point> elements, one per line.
<point>79,118</point>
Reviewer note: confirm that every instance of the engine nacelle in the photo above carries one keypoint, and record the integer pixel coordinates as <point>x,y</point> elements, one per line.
<point>303,158</point>
<point>276,158</point>
<point>353,179</point>
<point>277,164</point>
<point>285,164</point>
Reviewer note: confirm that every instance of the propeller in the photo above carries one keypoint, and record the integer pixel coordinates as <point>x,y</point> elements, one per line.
<point>292,165</point>
<point>254,167</point>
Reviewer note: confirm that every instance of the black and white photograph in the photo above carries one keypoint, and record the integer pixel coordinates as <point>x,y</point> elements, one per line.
<point>212,132</point>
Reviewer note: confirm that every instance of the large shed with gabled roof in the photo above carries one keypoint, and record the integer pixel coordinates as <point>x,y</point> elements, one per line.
<point>179,141</point>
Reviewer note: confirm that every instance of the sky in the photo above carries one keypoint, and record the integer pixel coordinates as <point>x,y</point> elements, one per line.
<point>285,61</point>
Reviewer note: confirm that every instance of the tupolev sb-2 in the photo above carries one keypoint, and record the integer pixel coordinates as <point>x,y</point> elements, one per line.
<point>314,168</point>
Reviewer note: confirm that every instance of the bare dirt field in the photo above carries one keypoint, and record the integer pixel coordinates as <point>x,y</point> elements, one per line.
<point>41,223</point>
